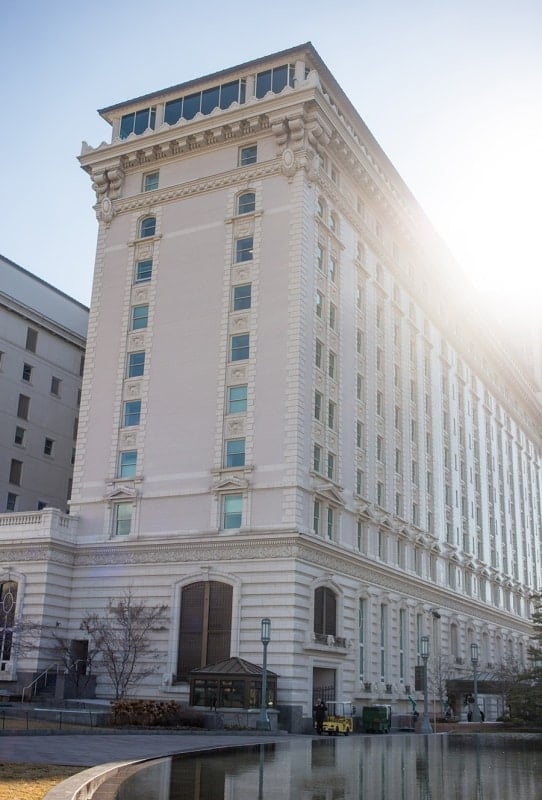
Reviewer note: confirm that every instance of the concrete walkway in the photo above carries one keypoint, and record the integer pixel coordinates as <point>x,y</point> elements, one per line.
<point>87,750</point>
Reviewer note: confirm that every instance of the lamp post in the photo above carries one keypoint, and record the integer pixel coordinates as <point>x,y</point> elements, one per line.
<point>474,658</point>
<point>424,652</point>
<point>263,723</point>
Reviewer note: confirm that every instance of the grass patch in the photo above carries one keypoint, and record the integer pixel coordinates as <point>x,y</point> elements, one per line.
<point>31,781</point>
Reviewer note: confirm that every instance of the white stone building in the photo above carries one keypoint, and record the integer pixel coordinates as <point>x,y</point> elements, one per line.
<point>292,406</point>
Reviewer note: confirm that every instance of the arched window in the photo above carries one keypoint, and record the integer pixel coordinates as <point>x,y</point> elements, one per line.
<point>205,626</point>
<point>325,612</point>
<point>334,222</point>
<point>147,227</point>
<point>246,203</point>
<point>8,602</point>
<point>454,643</point>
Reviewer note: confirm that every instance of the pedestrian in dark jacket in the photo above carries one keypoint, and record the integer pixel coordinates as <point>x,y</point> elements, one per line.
<point>320,712</point>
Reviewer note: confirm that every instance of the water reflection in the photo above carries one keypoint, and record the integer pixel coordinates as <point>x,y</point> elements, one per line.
<point>402,767</point>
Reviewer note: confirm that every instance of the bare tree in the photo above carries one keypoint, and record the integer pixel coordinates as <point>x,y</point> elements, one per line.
<point>122,640</point>
<point>438,675</point>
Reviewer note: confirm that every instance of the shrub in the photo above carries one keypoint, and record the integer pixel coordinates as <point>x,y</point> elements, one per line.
<point>146,713</point>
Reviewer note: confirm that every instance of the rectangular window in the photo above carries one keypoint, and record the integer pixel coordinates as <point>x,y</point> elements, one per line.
<point>132,413</point>
<point>31,339</point>
<point>318,354</point>
<point>359,478</point>
<point>237,399</point>
<point>330,523</point>
<point>331,364</point>
<point>242,297</point>
<point>140,317</point>
<point>232,511</point>
<point>317,458</point>
<point>331,408</point>
<point>27,372</point>
<point>55,386</point>
<point>359,433</point>
<point>127,465</point>
<point>122,519</point>
<point>137,122</point>
<point>320,257</point>
<point>11,502</point>
<point>19,435</point>
<point>316,512</point>
<point>136,364</point>
<point>150,181</point>
<point>244,249</point>
<point>330,466</point>
<point>15,472</point>
<point>380,404</point>
<point>319,305</point>
<point>333,269</point>
<point>23,406</point>
<point>359,387</point>
<point>248,155</point>
<point>240,347</point>
<point>75,427</point>
<point>380,494</point>
<point>48,446</point>
<point>332,316</point>
<point>143,271</point>
<point>235,453</point>
<point>317,405</point>
<point>380,448</point>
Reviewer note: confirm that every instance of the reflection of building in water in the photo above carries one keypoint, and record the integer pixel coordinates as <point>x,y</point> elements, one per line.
<point>405,767</point>
<point>292,408</point>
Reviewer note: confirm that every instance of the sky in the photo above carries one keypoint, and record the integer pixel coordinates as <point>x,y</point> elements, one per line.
<point>451,90</point>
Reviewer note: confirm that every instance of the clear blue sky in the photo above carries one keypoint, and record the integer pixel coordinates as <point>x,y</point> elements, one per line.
<point>451,90</point>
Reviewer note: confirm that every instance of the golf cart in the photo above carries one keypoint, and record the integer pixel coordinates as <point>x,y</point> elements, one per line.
<point>339,718</point>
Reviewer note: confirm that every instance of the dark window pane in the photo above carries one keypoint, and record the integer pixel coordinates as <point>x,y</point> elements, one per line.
<point>242,297</point>
<point>173,111</point>
<point>246,203</point>
<point>148,227</point>
<point>229,93</point>
<point>126,125</point>
<point>280,78</point>
<point>191,105</point>
<point>141,121</point>
<point>144,270</point>
<point>136,364</point>
<point>210,99</point>
<point>263,83</point>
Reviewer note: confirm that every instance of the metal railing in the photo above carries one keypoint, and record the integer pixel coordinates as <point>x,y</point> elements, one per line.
<point>34,686</point>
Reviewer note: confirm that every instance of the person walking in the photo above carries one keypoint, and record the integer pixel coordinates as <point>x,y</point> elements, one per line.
<point>320,712</point>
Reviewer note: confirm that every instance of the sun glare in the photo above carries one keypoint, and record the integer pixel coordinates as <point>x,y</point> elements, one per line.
<point>492,214</point>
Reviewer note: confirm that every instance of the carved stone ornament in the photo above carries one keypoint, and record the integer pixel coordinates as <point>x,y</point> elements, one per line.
<point>106,212</point>
<point>288,163</point>
<point>314,168</point>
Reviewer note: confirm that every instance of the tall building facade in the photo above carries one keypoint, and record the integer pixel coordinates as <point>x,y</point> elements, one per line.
<point>292,407</point>
<point>42,346</point>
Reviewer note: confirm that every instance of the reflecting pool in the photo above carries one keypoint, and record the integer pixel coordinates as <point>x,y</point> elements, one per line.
<point>399,767</point>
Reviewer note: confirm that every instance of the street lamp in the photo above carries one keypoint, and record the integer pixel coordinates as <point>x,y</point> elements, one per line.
<point>424,652</point>
<point>263,723</point>
<point>474,658</point>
